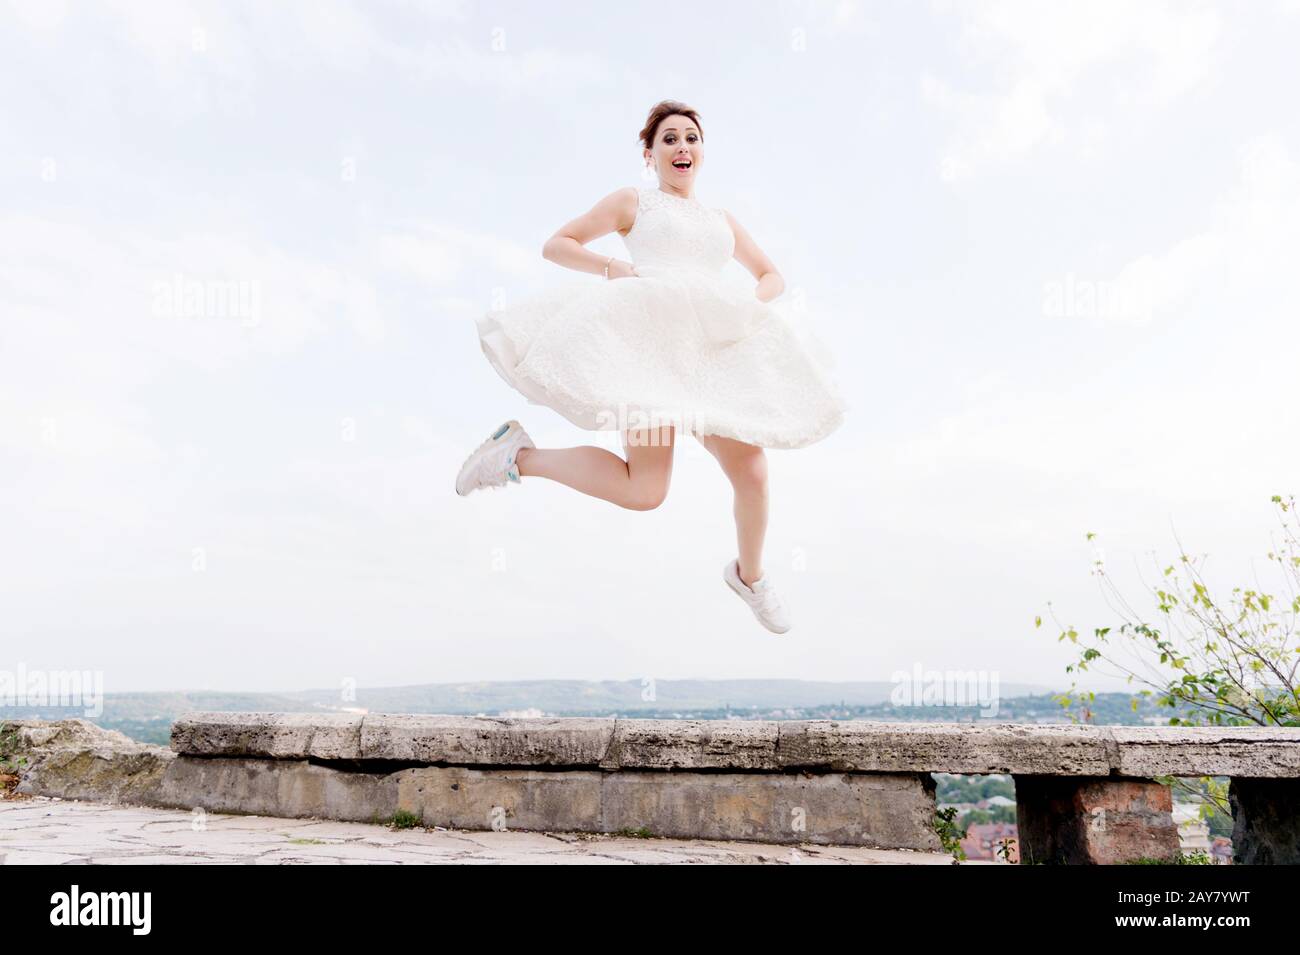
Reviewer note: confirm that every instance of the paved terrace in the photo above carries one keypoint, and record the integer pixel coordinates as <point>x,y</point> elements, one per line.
<point>40,830</point>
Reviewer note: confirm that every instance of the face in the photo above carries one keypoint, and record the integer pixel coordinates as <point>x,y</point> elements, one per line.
<point>678,151</point>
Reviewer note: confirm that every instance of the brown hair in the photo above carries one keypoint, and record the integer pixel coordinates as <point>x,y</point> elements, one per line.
<point>661,111</point>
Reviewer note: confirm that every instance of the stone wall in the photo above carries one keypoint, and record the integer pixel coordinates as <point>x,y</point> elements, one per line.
<point>1085,794</point>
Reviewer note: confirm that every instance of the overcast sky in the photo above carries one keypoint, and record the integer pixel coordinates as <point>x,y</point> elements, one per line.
<point>1053,247</point>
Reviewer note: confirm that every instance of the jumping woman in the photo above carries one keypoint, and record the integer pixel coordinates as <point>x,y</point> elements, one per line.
<point>662,346</point>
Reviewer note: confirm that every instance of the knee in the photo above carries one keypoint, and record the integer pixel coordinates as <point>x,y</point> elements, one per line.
<point>648,496</point>
<point>749,474</point>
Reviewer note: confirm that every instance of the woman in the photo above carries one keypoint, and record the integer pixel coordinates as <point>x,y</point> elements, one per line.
<point>663,345</point>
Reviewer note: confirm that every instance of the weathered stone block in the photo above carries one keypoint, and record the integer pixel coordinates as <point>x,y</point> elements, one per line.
<point>484,740</point>
<point>1265,821</point>
<point>884,747</point>
<point>77,759</point>
<point>1255,751</point>
<point>886,810</point>
<point>693,744</point>
<point>282,787</point>
<point>1093,821</point>
<point>270,735</point>
<point>462,798</point>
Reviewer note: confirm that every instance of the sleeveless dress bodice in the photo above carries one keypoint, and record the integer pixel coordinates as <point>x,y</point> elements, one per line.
<point>670,232</point>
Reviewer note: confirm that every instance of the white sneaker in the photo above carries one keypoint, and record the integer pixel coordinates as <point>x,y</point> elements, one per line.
<point>493,463</point>
<point>761,597</point>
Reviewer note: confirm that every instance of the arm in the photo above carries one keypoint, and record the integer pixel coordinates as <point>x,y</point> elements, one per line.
<point>748,254</point>
<point>617,211</point>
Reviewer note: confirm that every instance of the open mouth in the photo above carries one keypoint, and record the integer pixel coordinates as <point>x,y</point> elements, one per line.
<point>682,164</point>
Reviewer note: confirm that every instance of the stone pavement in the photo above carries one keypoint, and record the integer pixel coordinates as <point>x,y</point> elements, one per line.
<point>42,830</point>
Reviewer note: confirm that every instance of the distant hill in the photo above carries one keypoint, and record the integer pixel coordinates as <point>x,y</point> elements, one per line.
<point>148,716</point>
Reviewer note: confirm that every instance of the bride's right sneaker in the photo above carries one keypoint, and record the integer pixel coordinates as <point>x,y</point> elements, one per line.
<point>762,598</point>
<point>493,462</point>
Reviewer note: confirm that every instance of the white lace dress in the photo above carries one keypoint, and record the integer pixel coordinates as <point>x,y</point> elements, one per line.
<point>677,344</point>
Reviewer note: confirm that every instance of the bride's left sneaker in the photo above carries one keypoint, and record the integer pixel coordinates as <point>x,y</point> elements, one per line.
<point>762,598</point>
<point>493,462</point>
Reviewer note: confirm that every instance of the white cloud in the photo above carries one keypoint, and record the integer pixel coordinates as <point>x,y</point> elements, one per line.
<point>89,309</point>
<point>39,14</point>
<point>849,17</point>
<point>215,54</point>
<point>1252,237</point>
<point>1043,53</point>
<point>439,254</point>
<point>1209,417</point>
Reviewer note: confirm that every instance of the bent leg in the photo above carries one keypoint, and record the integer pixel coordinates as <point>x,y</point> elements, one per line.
<point>746,467</point>
<point>640,483</point>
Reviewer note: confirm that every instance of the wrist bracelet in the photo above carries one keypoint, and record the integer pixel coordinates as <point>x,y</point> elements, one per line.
<point>607,261</point>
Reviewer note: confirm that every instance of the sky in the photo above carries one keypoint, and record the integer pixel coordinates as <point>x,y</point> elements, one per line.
<point>1052,248</point>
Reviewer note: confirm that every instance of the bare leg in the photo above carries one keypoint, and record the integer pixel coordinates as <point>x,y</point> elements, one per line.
<point>746,467</point>
<point>640,483</point>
